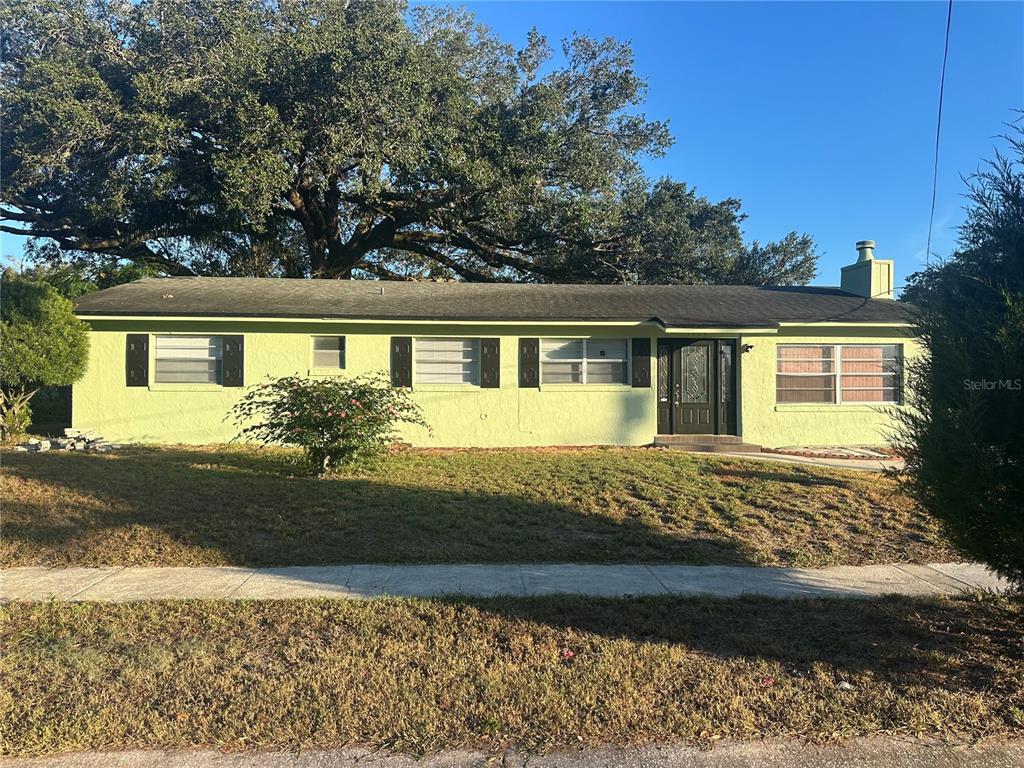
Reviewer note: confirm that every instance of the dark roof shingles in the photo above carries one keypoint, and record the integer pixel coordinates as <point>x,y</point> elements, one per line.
<point>672,305</point>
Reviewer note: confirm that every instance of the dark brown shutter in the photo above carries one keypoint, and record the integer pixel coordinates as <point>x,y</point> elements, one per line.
<point>136,360</point>
<point>401,361</point>
<point>641,362</point>
<point>529,362</point>
<point>233,361</point>
<point>490,363</point>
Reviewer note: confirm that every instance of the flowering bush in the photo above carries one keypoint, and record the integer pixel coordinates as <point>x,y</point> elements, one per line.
<point>334,421</point>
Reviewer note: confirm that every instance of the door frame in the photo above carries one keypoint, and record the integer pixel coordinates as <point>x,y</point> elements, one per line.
<point>725,414</point>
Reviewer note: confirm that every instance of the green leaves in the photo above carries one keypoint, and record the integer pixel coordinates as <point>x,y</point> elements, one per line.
<point>44,344</point>
<point>335,421</point>
<point>365,137</point>
<point>962,438</point>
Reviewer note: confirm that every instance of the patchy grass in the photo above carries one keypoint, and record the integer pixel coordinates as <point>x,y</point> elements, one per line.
<point>199,506</point>
<point>423,674</point>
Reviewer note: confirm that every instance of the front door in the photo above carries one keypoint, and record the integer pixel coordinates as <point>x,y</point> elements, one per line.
<point>696,387</point>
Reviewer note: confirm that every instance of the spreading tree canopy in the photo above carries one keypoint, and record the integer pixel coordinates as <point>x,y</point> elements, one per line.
<point>963,436</point>
<point>323,137</point>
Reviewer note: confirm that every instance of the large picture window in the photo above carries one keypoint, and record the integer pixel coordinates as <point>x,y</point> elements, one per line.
<point>583,361</point>
<point>838,373</point>
<point>188,360</point>
<point>447,361</point>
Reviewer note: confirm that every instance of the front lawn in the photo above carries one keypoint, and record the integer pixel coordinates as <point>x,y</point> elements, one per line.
<point>425,674</point>
<point>236,505</point>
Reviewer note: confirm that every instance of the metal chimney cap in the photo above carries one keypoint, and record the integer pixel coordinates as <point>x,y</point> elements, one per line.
<point>866,249</point>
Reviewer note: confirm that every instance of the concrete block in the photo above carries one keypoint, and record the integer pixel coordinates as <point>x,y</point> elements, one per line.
<point>369,580</point>
<point>294,582</point>
<point>36,583</point>
<point>599,580</point>
<point>167,584</point>
<point>729,581</point>
<point>976,577</point>
<point>434,580</point>
<point>862,581</point>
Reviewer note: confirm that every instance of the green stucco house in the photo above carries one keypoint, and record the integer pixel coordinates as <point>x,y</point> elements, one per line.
<point>511,364</point>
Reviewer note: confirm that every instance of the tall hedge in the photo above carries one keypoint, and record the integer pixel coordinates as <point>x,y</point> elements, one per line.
<point>964,437</point>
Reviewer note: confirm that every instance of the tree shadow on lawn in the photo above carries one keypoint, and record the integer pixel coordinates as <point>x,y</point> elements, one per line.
<point>171,507</point>
<point>732,474</point>
<point>963,643</point>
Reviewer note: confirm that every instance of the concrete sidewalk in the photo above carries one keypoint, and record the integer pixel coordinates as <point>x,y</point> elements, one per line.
<point>367,581</point>
<point>874,752</point>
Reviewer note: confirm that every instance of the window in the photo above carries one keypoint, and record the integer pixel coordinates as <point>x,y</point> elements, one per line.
<point>583,361</point>
<point>328,351</point>
<point>838,373</point>
<point>447,361</point>
<point>870,374</point>
<point>188,360</point>
<point>805,374</point>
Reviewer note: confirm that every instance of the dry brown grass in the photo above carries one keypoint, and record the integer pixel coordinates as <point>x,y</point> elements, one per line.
<point>425,674</point>
<point>232,505</point>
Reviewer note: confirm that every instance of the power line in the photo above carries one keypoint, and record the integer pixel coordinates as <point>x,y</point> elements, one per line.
<point>938,132</point>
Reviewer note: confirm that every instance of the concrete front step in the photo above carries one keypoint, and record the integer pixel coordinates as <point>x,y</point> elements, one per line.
<point>666,439</point>
<point>706,443</point>
<point>712,447</point>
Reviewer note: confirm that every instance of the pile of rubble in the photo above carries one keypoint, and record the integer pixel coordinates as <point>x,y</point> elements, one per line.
<point>73,440</point>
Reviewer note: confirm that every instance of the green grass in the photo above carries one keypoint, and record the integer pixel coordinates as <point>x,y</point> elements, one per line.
<point>424,674</point>
<point>200,506</point>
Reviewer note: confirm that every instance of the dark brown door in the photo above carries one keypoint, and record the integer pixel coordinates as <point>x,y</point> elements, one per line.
<point>694,401</point>
<point>696,387</point>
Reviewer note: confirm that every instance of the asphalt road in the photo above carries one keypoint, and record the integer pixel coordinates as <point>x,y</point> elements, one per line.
<point>859,753</point>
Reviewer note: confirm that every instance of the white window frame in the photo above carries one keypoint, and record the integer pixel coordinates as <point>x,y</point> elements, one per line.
<point>475,360</point>
<point>215,339</point>
<point>837,376</point>
<point>583,362</point>
<point>343,349</point>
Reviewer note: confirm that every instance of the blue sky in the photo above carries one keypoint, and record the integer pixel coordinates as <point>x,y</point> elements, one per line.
<point>819,116</point>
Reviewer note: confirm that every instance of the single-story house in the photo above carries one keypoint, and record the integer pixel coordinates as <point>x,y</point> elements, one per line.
<point>510,364</point>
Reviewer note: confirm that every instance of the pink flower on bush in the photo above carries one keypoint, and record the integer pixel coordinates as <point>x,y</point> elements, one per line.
<point>353,432</point>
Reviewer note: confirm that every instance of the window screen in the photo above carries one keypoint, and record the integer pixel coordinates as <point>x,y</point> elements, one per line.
<point>870,374</point>
<point>838,373</point>
<point>188,359</point>
<point>561,361</point>
<point>805,374</point>
<point>328,351</point>
<point>447,361</point>
<point>583,361</point>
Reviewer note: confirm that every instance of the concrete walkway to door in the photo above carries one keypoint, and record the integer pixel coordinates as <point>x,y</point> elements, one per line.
<point>857,465</point>
<point>367,581</point>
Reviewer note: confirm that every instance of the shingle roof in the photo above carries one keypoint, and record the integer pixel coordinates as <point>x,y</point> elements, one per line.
<point>671,305</point>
